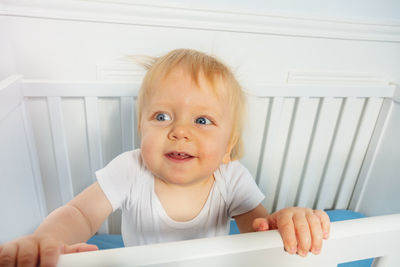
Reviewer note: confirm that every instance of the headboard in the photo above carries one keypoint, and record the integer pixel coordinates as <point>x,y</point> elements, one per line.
<point>306,145</point>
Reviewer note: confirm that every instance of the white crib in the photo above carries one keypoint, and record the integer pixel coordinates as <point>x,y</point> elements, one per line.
<point>306,145</point>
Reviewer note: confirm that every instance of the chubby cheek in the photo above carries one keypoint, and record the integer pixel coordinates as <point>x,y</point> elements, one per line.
<point>149,147</point>
<point>214,152</point>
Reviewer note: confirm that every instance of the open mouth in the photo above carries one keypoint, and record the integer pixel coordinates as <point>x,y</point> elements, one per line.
<point>179,156</point>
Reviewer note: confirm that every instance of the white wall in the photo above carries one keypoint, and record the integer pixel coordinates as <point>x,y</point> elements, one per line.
<point>7,65</point>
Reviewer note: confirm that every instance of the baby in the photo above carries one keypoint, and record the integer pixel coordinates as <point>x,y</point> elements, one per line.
<point>184,182</point>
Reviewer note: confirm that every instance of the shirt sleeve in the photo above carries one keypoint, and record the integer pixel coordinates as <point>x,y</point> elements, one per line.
<point>243,194</point>
<point>117,178</point>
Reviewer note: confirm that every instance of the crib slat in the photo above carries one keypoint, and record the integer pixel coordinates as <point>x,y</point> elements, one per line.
<point>274,148</point>
<point>367,125</point>
<point>300,135</point>
<point>93,132</point>
<point>34,161</point>
<point>370,157</point>
<point>324,130</point>
<point>60,148</point>
<point>127,123</point>
<point>340,151</point>
<point>94,142</point>
<point>253,132</point>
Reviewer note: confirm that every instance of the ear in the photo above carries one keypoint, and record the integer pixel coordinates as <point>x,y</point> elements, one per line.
<point>227,156</point>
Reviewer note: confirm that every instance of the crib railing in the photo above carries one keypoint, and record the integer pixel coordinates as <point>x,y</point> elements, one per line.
<point>373,237</point>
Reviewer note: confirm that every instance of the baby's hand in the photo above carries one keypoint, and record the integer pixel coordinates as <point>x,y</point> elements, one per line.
<point>302,229</point>
<point>31,250</point>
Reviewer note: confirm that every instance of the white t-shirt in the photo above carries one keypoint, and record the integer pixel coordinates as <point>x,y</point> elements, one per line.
<point>129,185</point>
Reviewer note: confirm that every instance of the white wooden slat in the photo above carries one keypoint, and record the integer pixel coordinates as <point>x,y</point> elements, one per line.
<point>274,149</point>
<point>346,243</point>
<point>367,125</point>
<point>370,157</point>
<point>319,150</point>
<point>340,151</point>
<point>268,174</point>
<point>127,122</point>
<point>253,133</point>
<point>60,148</point>
<point>33,156</point>
<point>94,143</point>
<point>93,133</point>
<point>300,136</point>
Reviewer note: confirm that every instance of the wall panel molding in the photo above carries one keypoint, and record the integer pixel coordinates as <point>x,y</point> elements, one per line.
<point>131,13</point>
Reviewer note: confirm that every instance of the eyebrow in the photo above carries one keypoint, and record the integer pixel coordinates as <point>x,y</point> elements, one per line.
<point>204,109</point>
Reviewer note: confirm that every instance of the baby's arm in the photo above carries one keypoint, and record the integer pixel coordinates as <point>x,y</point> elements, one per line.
<point>61,232</point>
<point>302,229</point>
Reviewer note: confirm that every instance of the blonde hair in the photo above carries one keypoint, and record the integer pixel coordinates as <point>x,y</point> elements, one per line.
<point>195,62</point>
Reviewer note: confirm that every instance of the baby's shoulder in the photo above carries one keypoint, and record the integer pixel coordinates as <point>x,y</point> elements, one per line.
<point>233,169</point>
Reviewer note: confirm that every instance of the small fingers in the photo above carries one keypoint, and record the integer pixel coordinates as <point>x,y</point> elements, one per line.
<point>79,247</point>
<point>316,232</point>
<point>8,254</point>
<point>325,222</point>
<point>260,224</point>
<point>303,234</point>
<point>288,234</point>
<point>28,253</point>
<point>49,252</point>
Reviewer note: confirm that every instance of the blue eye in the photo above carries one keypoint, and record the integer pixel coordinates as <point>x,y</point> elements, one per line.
<point>203,120</point>
<point>163,117</point>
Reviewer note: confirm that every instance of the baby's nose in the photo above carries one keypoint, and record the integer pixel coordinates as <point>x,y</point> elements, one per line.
<point>179,132</point>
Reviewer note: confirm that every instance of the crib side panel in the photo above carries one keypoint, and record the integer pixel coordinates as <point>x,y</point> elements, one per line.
<point>304,146</point>
<point>20,182</point>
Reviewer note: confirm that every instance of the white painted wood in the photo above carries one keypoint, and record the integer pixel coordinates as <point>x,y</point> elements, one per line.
<point>127,122</point>
<point>371,154</point>
<point>10,94</point>
<point>320,147</point>
<point>269,170</point>
<point>300,137</point>
<point>253,132</point>
<point>339,154</point>
<point>94,142</point>
<point>60,148</point>
<point>361,142</point>
<point>346,243</point>
<point>45,88</point>
<point>275,149</point>
<point>33,156</point>
<point>186,16</point>
<point>22,201</point>
<point>315,89</point>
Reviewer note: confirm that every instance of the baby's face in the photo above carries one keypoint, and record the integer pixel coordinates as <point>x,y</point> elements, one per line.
<point>185,129</point>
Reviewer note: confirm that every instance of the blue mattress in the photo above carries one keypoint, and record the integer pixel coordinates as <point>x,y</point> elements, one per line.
<point>115,241</point>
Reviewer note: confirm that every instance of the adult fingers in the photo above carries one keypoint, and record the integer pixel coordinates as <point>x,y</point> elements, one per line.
<point>286,229</point>
<point>316,232</point>
<point>28,253</point>
<point>79,247</point>
<point>8,254</point>
<point>303,234</point>
<point>49,252</point>
<point>325,222</point>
